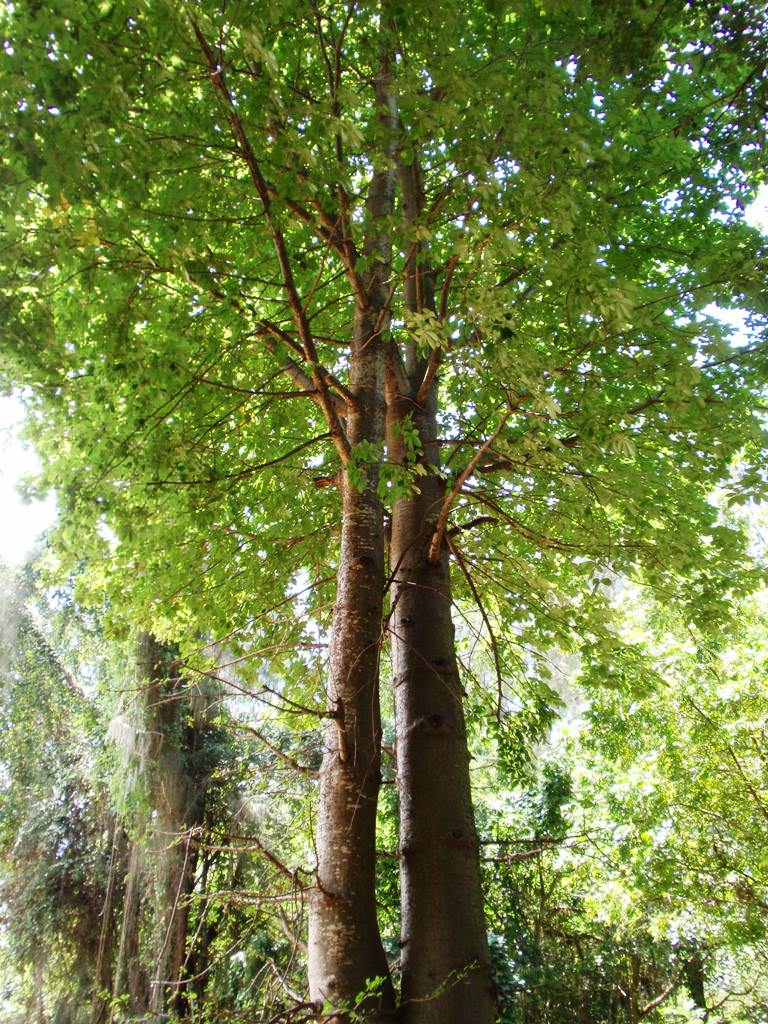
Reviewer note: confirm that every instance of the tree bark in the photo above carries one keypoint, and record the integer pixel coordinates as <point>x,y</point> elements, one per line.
<point>445,957</point>
<point>161,867</point>
<point>177,872</point>
<point>178,799</point>
<point>103,974</point>
<point>129,981</point>
<point>345,951</point>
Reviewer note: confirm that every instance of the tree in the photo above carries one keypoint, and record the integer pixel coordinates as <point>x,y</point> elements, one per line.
<point>468,270</point>
<point>169,761</point>
<point>679,765</point>
<point>56,821</point>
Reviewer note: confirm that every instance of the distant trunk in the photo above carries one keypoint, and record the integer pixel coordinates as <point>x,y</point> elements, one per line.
<point>178,799</point>
<point>129,979</point>
<point>345,952</point>
<point>633,989</point>
<point>161,868</point>
<point>175,884</point>
<point>104,957</point>
<point>445,957</point>
<point>695,979</point>
<point>207,931</point>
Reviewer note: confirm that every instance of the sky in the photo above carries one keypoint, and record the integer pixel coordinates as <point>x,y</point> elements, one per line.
<point>22,522</point>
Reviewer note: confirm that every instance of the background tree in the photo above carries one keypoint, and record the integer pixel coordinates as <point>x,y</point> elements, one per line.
<point>57,861</point>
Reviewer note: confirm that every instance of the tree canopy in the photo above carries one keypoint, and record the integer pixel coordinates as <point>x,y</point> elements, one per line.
<point>583,171</point>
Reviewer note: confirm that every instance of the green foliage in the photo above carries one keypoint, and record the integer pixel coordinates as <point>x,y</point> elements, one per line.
<point>55,820</point>
<point>589,214</point>
<point>585,168</point>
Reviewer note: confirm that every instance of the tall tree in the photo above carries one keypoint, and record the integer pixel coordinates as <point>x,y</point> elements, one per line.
<point>469,271</point>
<point>167,732</point>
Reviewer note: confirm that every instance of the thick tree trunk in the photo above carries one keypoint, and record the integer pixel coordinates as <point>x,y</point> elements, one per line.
<point>345,951</point>
<point>445,957</point>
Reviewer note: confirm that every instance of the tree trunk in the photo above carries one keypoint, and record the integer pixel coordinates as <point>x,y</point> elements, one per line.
<point>162,861</point>
<point>445,957</point>
<point>177,880</point>
<point>695,979</point>
<point>104,956</point>
<point>129,983</point>
<point>345,951</point>
<point>178,799</point>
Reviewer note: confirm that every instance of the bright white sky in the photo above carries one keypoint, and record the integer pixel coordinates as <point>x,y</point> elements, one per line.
<point>21,523</point>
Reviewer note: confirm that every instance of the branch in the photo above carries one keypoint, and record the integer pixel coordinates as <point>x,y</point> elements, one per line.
<point>289,285</point>
<point>307,387</point>
<point>242,473</point>
<point>255,846</point>
<point>481,607</point>
<point>341,402</point>
<point>442,519</point>
<point>436,357</point>
<point>278,752</point>
<point>477,521</point>
<point>430,373</point>
<point>50,653</point>
<point>732,754</point>
<point>673,986</point>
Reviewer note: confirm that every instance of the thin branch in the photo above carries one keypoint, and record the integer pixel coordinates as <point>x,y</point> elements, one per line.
<point>255,846</point>
<point>302,768</point>
<point>477,521</point>
<point>430,373</point>
<point>481,607</point>
<point>241,474</point>
<point>442,519</point>
<point>665,993</point>
<point>342,402</point>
